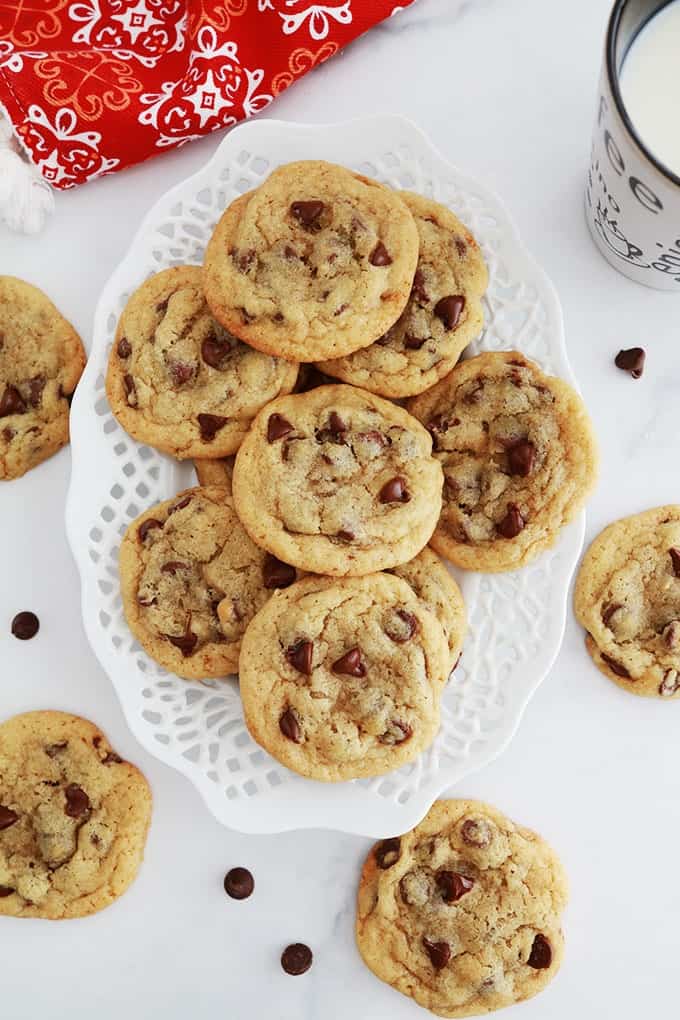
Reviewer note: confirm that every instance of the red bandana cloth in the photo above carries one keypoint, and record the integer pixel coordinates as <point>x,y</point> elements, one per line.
<point>93,86</point>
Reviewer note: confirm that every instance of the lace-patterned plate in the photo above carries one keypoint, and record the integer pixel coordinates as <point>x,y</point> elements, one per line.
<point>516,620</point>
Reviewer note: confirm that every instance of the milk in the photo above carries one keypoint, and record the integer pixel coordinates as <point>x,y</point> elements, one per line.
<point>650,85</point>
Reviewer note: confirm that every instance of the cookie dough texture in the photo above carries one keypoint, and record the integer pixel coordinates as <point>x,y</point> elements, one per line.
<point>627,596</point>
<point>443,313</point>
<point>519,459</point>
<point>41,361</point>
<point>191,580</point>
<point>341,678</point>
<point>73,817</point>
<point>315,263</point>
<point>338,481</point>
<point>462,913</point>
<point>179,381</point>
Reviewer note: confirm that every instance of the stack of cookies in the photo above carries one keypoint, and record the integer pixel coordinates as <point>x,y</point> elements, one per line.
<point>301,559</point>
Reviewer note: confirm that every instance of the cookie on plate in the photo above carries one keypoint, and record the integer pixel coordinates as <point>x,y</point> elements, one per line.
<point>180,382</point>
<point>432,582</point>
<point>316,263</point>
<point>215,472</point>
<point>341,678</point>
<point>73,817</point>
<point>443,314</point>
<point>41,361</point>
<point>191,580</point>
<point>518,454</point>
<point>627,597</point>
<point>462,913</point>
<point>338,481</point>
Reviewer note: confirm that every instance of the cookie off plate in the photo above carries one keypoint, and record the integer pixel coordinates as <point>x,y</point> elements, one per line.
<point>516,620</point>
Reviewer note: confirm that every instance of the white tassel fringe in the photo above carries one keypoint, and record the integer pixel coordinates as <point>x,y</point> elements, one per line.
<point>26,200</point>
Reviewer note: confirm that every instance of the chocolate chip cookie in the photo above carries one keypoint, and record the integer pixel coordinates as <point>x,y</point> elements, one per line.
<point>73,817</point>
<point>627,597</point>
<point>316,263</point>
<point>338,481</point>
<point>41,361</point>
<point>215,472</point>
<point>462,913</point>
<point>179,381</point>
<point>341,678</point>
<point>518,454</point>
<point>191,581</point>
<point>433,583</point>
<point>443,314</point>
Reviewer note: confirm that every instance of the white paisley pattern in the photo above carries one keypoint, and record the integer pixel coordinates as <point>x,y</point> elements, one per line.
<point>148,29</point>
<point>319,16</point>
<point>13,61</point>
<point>62,152</point>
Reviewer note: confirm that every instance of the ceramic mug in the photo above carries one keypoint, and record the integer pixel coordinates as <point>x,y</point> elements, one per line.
<point>632,199</point>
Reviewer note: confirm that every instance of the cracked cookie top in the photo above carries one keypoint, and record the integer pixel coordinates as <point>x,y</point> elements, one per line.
<point>338,481</point>
<point>462,913</point>
<point>191,581</point>
<point>627,597</point>
<point>73,817</point>
<point>181,382</point>
<point>518,455</point>
<point>443,313</point>
<point>41,361</point>
<point>315,263</point>
<point>341,678</point>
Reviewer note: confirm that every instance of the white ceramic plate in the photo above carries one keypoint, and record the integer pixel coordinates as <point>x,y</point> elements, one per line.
<point>516,620</point>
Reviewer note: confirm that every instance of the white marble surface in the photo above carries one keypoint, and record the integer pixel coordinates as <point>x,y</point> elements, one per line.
<point>506,89</point>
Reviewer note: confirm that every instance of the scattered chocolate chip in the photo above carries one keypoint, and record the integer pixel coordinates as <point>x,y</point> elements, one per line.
<point>289,724</point>
<point>146,526</point>
<point>350,664</point>
<point>5,890</point>
<point>394,491</point>
<point>461,247</point>
<point>239,883</point>
<point>300,654</point>
<point>671,634</point>
<point>289,252</point>
<point>181,372</point>
<point>449,310</point>
<point>130,389</point>
<point>521,457</point>
<point>404,630</point>
<point>340,309</point>
<point>296,958</point>
<point>185,642</point>
<point>172,566</point>
<point>12,402</point>
<point>615,666</point>
<point>631,360</point>
<point>277,427</point>
<point>77,801</point>
<point>380,256</point>
<point>7,817</point>
<point>162,306</point>
<point>215,352</point>
<point>25,625</point>
<point>476,832</point>
<point>52,750</point>
<point>8,435</point>
<point>345,535</point>
<point>540,956</point>
<point>452,885</point>
<point>439,953</point>
<point>418,290</point>
<point>413,343</point>
<point>278,317</point>
<point>675,560</point>
<point>243,259</point>
<point>210,425</point>
<point>609,610</point>
<point>111,758</point>
<point>36,386</point>
<point>670,683</point>
<point>276,574</point>
<point>335,423</point>
<point>378,438</point>
<point>512,523</point>
<point>387,852</point>
<point>124,348</point>
<point>307,213</point>
<point>398,732</point>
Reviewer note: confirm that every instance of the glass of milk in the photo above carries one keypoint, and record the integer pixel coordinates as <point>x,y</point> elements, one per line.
<point>633,188</point>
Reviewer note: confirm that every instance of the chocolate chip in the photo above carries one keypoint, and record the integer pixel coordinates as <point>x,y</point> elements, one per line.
<point>418,290</point>
<point>296,958</point>
<point>215,352</point>
<point>162,306</point>
<point>279,317</point>
<point>172,566</point>
<point>512,523</point>
<point>307,213</point>
<point>405,629</point>
<point>289,724</point>
<point>277,427</point>
<point>12,402</point>
<point>5,890</point>
<point>675,560</point>
<point>276,574</point>
<point>380,256</point>
<point>185,642</point>
<point>243,259</point>
<point>670,683</point>
<point>239,883</point>
<point>130,389</point>
<point>398,732</point>
<point>449,310</point>
<point>394,491</point>
<point>52,750</point>
<point>179,506</point>
<point>476,832</point>
<point>36,386</point>
<point>350,664</point>
<point>521,457</point>
<point>345,535</point>
<point>461,247</point>
<point>300,654</point>
<point>413,343</point>
<point>77,801</point>
<point>452,885</point>
<point>25,625</point>
<point>387,852</point>
<point>181,372</point>
<point>609,610</point>
<point>124,349</point>
<point>378,438</point>
<point>671,634</point>
<point>335,423</point>
<point>631,360</point>
<point>540,956</point>
<point>210,425</point>
<point>439,953</point>
<point>7,817</point>
<point>615,666</point>
<point>8,435</point>
<point>111,758</point>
